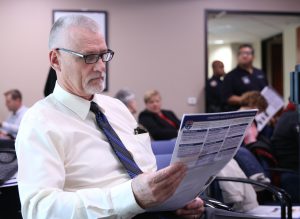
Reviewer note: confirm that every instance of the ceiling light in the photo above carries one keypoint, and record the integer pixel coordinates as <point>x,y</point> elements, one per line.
<point>219,42</point>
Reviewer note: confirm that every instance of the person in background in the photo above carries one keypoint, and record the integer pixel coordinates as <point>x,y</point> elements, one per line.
<point>213,88</point>
<point>290,106</point>
<point>13,100</point>
<point>245,164</point>
<point>285,142</point>
<point>243,78</point>
<point>252,100</point>
<point>128,98</point>
<point>241,196</point>
<point>160,123</point>
<point>246,160</point>
<point>78,154</point>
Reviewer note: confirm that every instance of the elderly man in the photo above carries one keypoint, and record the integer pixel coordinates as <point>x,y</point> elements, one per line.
<point>13,100</point>
<point>77,152</point>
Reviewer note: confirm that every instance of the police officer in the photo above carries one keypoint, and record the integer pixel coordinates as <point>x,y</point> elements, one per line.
<point>243,78</point>
<point>213,88</point>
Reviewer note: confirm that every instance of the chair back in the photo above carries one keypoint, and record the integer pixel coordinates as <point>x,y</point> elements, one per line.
<point>8,160</point>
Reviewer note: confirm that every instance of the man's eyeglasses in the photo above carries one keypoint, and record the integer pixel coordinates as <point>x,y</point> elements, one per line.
<point>245,53</point>
<point>92,58</point>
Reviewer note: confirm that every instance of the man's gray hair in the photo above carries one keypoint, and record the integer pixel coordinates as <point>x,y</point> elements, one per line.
<point>64,23</point>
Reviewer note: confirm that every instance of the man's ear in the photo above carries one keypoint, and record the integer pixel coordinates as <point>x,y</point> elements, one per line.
<point>54,60</point>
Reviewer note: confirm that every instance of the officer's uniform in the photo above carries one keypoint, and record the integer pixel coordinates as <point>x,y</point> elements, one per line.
<point>239,81</point>
<point>213,94</point>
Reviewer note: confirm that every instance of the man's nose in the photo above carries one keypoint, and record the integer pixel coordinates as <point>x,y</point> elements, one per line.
<point>100,66</point>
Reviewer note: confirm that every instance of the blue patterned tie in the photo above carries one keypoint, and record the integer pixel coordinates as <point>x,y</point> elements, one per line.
<point>119,148</point>
<point>125,157</point>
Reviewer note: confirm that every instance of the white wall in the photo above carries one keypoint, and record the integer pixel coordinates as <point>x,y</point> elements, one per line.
<point>289,57</point>
<point>257,58</point>
<point>222,53</point>
<point>159,44</point>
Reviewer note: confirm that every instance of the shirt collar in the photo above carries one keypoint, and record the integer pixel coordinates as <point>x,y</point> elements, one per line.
<point>75,103</point>
<point>19,110</point>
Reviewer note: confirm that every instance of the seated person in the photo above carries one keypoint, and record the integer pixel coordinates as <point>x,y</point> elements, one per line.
<point>9,128</point>
<point>252,100</point>
<point>241,196</point>
<point>285,142</point>
<point>290,106</point>
<point>247,161</point>
<point>128,98</point>
<point>78,156</point>
<point>161,124</point>
<point>251,166</point>
<point>245,165</point>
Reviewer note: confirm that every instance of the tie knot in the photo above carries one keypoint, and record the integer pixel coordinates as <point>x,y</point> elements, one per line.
<point>94,107</point>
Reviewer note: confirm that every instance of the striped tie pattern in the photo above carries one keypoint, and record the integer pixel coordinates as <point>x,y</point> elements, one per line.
<point>119,148</point>
<point>125,157</point>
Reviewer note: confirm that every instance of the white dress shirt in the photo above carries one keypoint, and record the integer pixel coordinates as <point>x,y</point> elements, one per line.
<point>67,169</point>
<point>12,123</point>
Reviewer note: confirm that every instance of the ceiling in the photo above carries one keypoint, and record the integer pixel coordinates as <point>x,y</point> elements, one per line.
<point>246,28</point>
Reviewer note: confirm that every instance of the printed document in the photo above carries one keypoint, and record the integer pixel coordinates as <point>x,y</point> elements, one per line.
<point>275,103</point>
<point>205,143</point>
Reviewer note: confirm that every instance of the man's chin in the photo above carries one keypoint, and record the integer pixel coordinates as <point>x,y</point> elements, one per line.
<point>95,86</point>
<point>95,89</point>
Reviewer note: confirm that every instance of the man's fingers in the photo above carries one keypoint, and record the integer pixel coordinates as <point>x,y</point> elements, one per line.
<point>154,188</point>
<point>183,211</point>
<point>196,207</point>
<point>164,188</point>
<point>196,203</point>
<point>167,188</point>
<point>176,169</point>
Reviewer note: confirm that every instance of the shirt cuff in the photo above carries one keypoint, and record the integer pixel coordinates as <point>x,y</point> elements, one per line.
<point>129,206</point>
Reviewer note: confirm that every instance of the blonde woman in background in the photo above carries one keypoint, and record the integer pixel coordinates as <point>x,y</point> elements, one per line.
<point>162,124</point>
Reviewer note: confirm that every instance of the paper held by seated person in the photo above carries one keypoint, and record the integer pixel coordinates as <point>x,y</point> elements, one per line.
<point>275,103</point>
<point>205,143</point>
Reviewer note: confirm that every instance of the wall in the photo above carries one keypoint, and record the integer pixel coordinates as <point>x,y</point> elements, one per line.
<point>159,44</point>
<point>257,57</point>
<point>222,53</point>
<point>289,57</point>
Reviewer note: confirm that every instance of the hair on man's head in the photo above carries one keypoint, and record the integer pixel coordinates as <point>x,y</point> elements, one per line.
<point>61,26</point>
<point>14,93</point>
<point>246,45</point>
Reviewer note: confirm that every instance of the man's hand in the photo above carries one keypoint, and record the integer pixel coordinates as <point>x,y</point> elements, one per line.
<point>192,210</point>
<point>151,189</point>
<point>234,100</point>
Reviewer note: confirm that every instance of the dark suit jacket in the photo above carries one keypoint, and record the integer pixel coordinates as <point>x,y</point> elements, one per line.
<point>158,128</point>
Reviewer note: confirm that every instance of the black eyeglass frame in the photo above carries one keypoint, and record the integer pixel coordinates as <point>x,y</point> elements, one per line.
<point>85,57</point>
